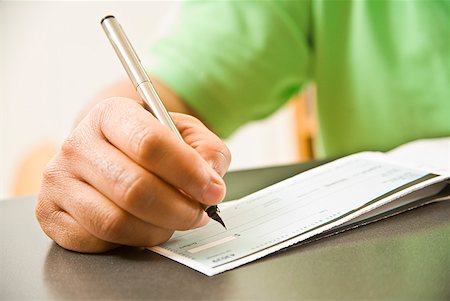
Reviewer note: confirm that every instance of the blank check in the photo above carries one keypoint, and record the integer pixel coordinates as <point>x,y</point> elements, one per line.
<point>296,209</point>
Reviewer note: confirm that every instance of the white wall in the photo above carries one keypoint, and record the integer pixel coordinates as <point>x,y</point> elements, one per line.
<point>54,57</point>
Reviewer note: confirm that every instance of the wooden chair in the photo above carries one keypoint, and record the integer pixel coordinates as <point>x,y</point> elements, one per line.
<point>305,122</point>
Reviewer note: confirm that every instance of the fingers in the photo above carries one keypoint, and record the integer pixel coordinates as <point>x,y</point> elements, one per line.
<point>135,132</point>
<point>90,221</point>
<point>66,232</point>
<point>123,178</point>
<point>136,190</point>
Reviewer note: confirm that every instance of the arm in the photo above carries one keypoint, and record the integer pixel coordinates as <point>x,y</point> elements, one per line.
<point>124,88</point>
<point>236,61</point>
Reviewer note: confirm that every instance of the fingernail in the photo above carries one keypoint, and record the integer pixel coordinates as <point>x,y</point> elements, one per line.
<point>214,193</point>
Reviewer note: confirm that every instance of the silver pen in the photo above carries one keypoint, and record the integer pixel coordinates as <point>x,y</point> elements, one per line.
<point>143,85</point>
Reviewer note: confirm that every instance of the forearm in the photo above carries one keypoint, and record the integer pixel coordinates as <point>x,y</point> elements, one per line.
<point>124,88</point>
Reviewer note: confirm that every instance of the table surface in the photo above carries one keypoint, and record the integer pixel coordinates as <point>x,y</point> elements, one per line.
<point>403,257</point>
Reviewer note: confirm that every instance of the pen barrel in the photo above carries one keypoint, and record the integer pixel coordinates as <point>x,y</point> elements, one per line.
<point>130,61</point>
<point>147,92</point>
<point>124,50</point>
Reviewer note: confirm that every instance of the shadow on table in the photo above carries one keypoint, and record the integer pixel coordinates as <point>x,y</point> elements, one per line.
<point>124,273</point>
<point>403,257</point>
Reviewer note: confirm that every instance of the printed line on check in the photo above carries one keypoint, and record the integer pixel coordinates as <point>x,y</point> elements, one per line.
<point>212,244</point>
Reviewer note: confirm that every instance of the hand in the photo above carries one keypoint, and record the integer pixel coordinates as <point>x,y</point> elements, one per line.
<point>122,178</point>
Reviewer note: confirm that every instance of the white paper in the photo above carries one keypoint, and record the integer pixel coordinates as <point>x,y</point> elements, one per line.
<point>429,154</point>
<point>294,210</point>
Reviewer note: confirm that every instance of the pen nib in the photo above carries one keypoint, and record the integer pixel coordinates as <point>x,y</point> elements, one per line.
<point>213,212</point>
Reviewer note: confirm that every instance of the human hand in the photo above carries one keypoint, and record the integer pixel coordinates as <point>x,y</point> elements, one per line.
<point>122,178</point>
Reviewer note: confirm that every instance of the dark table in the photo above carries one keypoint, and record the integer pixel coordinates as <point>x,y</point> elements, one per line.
<point>403,257</point>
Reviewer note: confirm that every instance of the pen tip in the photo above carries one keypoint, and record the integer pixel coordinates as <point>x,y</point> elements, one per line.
<point>212,212</point>
<point>220,221</point>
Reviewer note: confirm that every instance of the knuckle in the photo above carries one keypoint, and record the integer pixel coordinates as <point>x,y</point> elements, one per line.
<point>129,187</point>
<point>71,146</point>
<point>49,217</point>
<point>43,211</point>
<point>110,226</point>
<point>146,142</point>
<point>134,189</point>
<point>52,174</point>
<point>79,140</point>
<point>118,174</point>
<point>63,229</point>
<point>103,111</point>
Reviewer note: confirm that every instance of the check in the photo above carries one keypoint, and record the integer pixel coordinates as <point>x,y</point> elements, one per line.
<point>296,209</point>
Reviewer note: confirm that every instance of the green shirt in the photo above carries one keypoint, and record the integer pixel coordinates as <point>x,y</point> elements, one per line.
<point>381,68</point>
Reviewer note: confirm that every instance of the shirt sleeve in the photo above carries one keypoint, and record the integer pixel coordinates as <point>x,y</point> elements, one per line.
<point>235,61</point>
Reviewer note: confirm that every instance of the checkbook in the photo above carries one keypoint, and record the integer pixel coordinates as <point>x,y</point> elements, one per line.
<point>328,199</point>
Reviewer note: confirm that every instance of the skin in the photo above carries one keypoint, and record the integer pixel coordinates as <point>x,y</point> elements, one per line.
<point>122,178</point>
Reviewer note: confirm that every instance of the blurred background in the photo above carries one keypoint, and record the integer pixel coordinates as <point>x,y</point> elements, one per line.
<point>54,58</point>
